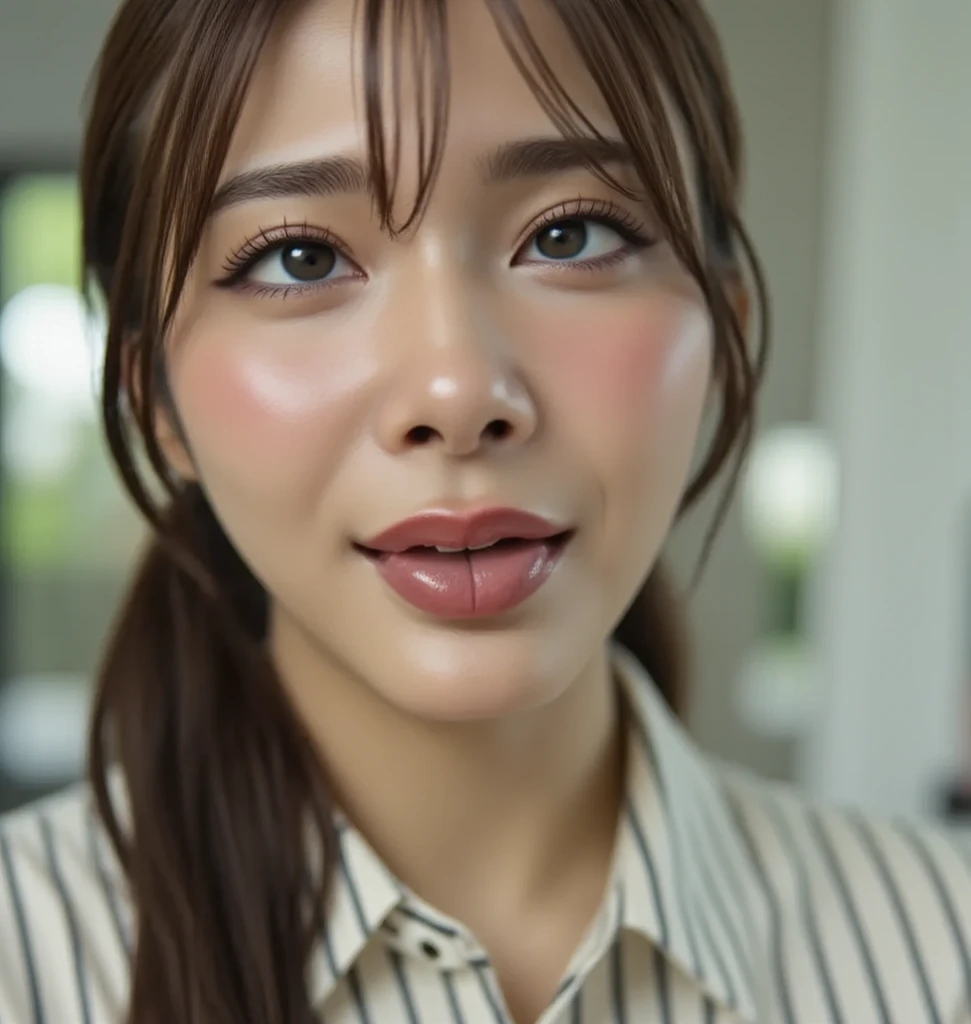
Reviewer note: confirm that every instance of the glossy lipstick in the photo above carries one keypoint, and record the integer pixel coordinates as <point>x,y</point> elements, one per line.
<point>467,566</point>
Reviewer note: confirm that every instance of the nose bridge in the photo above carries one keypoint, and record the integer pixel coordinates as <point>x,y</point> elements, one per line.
<point>457,383</point>
<point>458,338</point>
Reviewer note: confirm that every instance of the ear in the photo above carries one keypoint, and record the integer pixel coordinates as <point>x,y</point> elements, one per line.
<point>166,425</point>
<point>172,441</point>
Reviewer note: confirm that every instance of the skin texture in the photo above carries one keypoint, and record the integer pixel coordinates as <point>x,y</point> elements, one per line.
<point>482,759</point>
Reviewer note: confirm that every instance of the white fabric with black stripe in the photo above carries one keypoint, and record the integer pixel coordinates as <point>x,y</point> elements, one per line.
<point>731,900</point>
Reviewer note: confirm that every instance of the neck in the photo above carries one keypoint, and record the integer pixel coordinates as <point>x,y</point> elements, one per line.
<point>510,809</point>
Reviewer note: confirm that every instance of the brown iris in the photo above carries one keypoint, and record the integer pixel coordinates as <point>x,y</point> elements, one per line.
<point>309,262</point>
<point>564,240</point>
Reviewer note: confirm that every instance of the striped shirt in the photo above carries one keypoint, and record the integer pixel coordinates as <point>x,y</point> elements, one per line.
<point>730,900</point>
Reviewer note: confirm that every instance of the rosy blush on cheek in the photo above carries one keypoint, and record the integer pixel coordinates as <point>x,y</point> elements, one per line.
<point>267,413</point>
<point>619,373</point>
<point>628,388</point>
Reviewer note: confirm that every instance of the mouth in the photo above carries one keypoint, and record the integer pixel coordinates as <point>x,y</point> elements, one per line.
<point>500,545</point>
<point>472,580</point>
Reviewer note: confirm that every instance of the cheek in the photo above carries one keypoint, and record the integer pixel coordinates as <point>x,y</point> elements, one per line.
<point>634,380</point>
<point>274,413</point>
<point>631,387</point>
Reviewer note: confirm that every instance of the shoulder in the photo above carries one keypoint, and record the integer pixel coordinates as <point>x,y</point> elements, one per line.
<point>64,918</point>
<point>781,825</point>
<point>866,911</point>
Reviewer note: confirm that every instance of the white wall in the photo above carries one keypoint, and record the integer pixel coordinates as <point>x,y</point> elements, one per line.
<point>892,624</point>
<point>778,52</point>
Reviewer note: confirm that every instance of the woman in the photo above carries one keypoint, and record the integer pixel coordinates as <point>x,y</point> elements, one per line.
<point>415,311</point>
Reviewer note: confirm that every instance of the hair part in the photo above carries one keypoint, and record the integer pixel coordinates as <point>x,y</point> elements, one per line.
<point>222,779</point>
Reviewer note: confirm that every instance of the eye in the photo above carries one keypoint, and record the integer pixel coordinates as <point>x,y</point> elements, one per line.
<point>580,239</point>
<point>298,262</point>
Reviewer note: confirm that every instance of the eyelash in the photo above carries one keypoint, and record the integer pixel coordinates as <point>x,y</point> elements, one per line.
<point>267,241</point>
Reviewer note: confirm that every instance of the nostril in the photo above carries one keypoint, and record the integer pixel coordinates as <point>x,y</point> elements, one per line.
<point>420,435</point>
<point>498,429</point>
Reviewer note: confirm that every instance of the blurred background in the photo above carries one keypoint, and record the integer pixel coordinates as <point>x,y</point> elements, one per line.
<point>833,623</point>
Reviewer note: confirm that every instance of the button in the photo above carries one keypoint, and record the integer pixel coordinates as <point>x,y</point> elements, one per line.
<point>420,940</point>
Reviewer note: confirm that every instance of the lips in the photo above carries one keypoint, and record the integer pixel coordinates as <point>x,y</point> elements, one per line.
<point>472,566</point>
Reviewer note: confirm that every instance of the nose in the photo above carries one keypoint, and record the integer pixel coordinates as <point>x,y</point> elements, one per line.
<point>457,387</point>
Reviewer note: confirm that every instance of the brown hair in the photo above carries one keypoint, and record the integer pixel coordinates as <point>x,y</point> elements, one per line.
<point>221,778</point>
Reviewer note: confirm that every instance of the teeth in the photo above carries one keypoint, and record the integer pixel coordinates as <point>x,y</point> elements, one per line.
<point>455,551</point>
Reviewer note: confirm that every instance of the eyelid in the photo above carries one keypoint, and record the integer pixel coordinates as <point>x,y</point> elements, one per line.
<point>266,240</point>
<point>627,224</point>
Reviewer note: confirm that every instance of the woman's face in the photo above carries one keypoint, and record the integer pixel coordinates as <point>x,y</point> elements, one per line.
<point>529,346</point>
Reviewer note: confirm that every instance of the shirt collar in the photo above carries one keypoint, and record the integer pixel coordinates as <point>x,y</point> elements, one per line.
<point>680,858</point>
<point>364,893</point>
<point>675,878</point>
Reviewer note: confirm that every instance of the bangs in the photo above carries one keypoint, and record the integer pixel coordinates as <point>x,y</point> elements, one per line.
<point>613,48</point>
<point>625,53</point>
<point>651,63</point>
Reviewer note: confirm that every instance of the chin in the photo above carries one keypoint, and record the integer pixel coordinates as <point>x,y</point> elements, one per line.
<point>440,671</point>
<point>474,674</point>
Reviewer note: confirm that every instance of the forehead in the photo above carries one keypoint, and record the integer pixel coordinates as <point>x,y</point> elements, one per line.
<point>307,96</point>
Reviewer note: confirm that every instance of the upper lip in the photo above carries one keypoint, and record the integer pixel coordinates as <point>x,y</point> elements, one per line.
<point>463,530</point>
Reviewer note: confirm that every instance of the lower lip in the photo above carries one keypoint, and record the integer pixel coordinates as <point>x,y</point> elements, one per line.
<point>473,584</point>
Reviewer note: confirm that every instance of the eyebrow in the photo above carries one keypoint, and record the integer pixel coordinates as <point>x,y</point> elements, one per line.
<point>339,175</point>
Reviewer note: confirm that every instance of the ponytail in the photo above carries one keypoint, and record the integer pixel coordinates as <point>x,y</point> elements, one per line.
<point>220,779</point>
